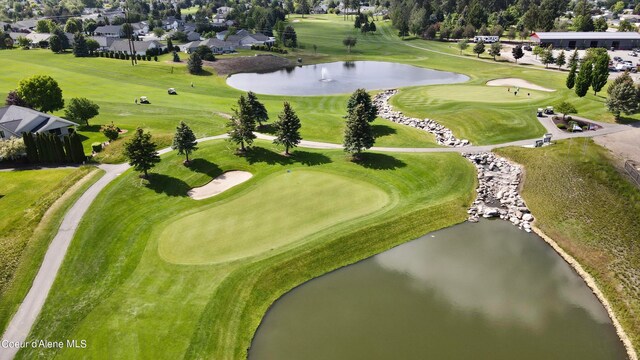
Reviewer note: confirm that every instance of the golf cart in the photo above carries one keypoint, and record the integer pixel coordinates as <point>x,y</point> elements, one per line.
<point>172,91</point>
<point>540,112</point>
<point>144,100</point>
<point>549,110</point>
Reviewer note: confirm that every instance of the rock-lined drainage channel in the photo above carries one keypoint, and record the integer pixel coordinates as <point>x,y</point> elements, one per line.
<point>443,135</point>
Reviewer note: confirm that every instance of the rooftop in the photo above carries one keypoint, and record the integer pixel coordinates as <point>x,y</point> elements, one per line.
<point>586,35</point>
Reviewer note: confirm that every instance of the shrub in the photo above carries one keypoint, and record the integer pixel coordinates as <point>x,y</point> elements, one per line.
<point>561,126</point>
<point>148,57</point>
<point>155,58</point>
<point>96,147</point>
<point>110,131</point>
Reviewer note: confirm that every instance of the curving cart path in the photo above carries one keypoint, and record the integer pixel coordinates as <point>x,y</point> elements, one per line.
<point>20,325</point>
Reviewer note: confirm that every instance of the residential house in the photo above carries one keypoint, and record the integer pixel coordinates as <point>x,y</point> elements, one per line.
<point>256,39</point>
<point>29,25</point>
<point>223,10</point>
<point>141,47</point>
<point>171,23</point>
<point>104,42</point>
<point>216,45</point>
<point>15,120</point>
<point>140,28</point>
<point>114,31</point>
<point>219,18</point>
<point>223,34</point>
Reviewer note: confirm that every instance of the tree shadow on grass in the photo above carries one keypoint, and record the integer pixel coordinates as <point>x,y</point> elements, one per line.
<point>267,129</point>
<point>205,167</point>
<point>310,158</point>
<point>380,130</point>
<point>629,121</point>
<point>378,161</point>
<point>164,184</point>
<point>259,154</point>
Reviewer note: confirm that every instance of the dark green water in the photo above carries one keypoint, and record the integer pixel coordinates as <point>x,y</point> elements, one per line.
<point>473,291</point>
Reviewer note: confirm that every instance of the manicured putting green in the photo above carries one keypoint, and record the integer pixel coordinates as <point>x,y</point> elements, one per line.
<point>477,93</point>
<point>282,209</point>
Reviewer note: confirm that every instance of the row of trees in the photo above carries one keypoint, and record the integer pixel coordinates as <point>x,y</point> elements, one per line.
<point>51,149</point>
<point>250,114</point>
<point>593,73</point>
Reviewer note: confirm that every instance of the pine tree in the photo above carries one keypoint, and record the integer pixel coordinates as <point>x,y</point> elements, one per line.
<point>517,52</point>
<point>561,60</point>
<point>479,48</point>
<point>358,135</point>
<point>194,64</point>
<point>547,57</point>
<point>257,109</point>
<point>77,150</point>
<point>80,48</point>
<point>583,80</point>
<point>141,152</point>
<point>573,60</point>
<point>184,141</point>
<point>59,147</point>
<point>170,44</point>
<point>68,150</point>
<point>362,97</point>
<point>600,73</point>
<point>241,125</point>
<point>42,156</point>
<point>30,145</point>
<point>287,129</point>
<point>571,78</point>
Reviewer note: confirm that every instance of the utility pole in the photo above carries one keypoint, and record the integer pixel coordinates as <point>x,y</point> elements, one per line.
<point>132,48</point>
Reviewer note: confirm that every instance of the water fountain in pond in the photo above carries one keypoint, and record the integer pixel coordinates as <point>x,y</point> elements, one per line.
<point>324,74</point>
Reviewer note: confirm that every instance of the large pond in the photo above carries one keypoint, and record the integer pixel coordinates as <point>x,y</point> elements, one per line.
<point>473,291</point>
<point>340,77</point>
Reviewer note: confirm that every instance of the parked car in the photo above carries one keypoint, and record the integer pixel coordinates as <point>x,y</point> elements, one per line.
<point>527,47</point>
<point>617,58</point>
<point>633,53</point>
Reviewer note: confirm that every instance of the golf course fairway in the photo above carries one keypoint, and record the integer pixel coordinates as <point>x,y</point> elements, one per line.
<point>284,208</point>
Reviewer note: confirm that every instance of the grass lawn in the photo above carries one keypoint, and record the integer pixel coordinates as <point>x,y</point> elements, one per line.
<point>116,290</point>
<point>299,203</point>
<point>33,205</point>
<point>581,201</point>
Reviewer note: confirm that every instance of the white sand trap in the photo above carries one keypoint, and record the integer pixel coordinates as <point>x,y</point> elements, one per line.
<point>515,82</point>
<point>222,183</point>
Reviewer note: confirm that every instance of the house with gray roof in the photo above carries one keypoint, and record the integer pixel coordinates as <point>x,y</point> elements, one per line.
<point>114,31</point>
<point>141,47</point>
<point>15,120</point>
<point>103,41</point>
<point>217,46</point>
<point>583,40</point>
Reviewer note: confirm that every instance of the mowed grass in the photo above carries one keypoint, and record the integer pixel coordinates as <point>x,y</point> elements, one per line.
<point>582,201</point>
<point>283,209</point>
<point>118,293</point>
<point>115,84</point>
<point>32,204</point>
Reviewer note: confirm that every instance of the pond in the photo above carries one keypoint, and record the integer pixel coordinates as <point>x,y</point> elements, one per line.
<point>472,291</point>
<point>340,77</point>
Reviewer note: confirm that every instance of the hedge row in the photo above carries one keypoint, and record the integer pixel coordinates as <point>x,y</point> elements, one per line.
<point>51,149</point>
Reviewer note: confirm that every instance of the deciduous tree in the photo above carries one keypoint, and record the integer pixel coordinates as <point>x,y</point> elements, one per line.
<point>81,110</point>
<point>566,108</point>
<point>517,52</point>
<point>41,92</point>
<point>479,48</point>
<point>495,49</point>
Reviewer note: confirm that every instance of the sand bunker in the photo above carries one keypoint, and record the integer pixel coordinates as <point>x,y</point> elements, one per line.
<point>221,183</point>
<point>515,82</point>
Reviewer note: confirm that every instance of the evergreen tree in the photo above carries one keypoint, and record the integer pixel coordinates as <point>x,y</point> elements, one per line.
<point>141,152</point>
<point>571,78</point>
<point>194,64</point>
<point>495,49</point>
<point>358,135</point>
<point>561,60</point>
<point>287,129</point>
<point>258,111</point>
<point>68,152</point>
<point>241,125</point>
<point>55,44</point>
<point>600,73</point>
<point>583,80</point>
<point>362,97</point>
<point>30,145</point>
<point>623,96</point>
<point>64,40</point>
<point>170,44</point>
<point>479,48</point>
<point>517,52</point>
<point>42,151</point>
<point>463,45</point>
<point>77,150</point>
<point>547,57</point>
<point>184,141</point>
<point>59,147</point>
<point>80,47</point>
<point>573,60</point>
